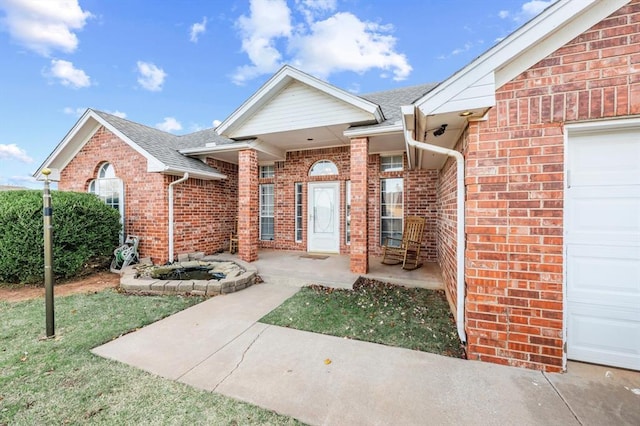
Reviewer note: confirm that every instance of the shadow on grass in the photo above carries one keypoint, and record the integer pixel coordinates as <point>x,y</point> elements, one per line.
<point>59,381</point>
<point>374,311</point>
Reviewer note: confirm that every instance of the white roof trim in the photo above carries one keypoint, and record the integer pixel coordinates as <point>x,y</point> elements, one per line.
<point>255,144</point>
<point>281,79</point>
<point>152,162</point>
<point>547,32</point>
<point>196,174</point>
<point>373,131</point>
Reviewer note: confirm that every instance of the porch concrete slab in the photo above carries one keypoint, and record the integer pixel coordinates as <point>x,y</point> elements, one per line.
<point>600,395</point>
<point>173,346</point>
<point>295,268</point>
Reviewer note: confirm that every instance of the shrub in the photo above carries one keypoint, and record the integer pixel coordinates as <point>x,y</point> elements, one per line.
<point>83,228</point>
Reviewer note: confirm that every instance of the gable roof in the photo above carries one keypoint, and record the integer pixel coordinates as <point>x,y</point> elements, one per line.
<point>158,147</point>
<point>278,82</point>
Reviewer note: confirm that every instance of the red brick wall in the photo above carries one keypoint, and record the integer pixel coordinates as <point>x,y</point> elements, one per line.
<point>146,212</point>
<point>515,190</point>
<point>447,222</point>
<point>248,205</point>
<point>296,169</point>
<point>360,182</point>
<point>205,211</point>
<point>419,198</point>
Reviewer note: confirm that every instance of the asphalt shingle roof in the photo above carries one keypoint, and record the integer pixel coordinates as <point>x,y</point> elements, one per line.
<point>164,146</point>
<point>390,101</point>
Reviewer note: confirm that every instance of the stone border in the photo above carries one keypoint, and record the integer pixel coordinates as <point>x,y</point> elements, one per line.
<point>194,287</point>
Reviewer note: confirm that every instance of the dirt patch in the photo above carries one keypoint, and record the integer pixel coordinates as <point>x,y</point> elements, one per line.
<point>89,284</point>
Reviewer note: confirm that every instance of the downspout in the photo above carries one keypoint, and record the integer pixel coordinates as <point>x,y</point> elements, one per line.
<point>182,179</point>
<point>408,115</point>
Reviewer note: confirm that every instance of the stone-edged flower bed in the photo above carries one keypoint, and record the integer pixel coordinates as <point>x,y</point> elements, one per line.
<point>227,276</point>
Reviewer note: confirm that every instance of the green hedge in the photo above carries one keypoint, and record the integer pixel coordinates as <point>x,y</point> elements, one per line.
<point>83,228</point>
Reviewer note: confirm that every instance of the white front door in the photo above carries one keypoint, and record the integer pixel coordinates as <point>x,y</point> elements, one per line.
<point>602,237</point>
<point>323,233</point>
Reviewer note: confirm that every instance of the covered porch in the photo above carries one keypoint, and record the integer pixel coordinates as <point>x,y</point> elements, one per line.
<point>299,268</point>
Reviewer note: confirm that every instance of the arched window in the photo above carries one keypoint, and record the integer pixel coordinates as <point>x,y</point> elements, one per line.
<point>109,188</point>
<point>323,168</point>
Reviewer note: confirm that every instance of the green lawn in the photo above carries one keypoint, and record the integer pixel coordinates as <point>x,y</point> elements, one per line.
<point>373,311</point>
<point>58,381</point>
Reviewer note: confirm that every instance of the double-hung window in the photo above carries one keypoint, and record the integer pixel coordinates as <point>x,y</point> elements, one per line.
<point>299,217</point>
<point>391,209</point>
<point>391,199</point>
<point>266,212</point>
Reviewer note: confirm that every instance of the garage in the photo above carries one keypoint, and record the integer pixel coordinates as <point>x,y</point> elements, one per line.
<point>602,243</point>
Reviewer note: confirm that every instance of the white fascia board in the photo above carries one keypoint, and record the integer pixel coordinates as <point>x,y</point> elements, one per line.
<point>85,129</point>
<point>262,146</point>
<point>373,131</point>
<point>216,148</point>
<point>279,80</point>
<point>522,44</point>
<point>196,174</point>
<point>64,143</point>
<point>255,144</point>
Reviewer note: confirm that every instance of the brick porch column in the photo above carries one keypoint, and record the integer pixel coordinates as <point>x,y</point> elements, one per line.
<point>359,259</point>
<point>248,205</point>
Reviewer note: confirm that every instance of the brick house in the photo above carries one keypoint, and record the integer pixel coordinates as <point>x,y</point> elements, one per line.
<point>531,191</point>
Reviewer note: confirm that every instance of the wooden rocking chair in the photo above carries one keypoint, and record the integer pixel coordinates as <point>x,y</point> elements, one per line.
<point>407,249</point>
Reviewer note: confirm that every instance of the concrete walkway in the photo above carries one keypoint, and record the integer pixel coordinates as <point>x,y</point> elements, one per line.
<point>218,346</point>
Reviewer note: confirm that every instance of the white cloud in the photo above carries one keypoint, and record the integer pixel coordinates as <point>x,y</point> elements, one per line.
<point>534,7</point>
<point>312,9</point>
<point>216,123</point>
<point>151,77</point>
<point>68,74</point>
<point>44,26</point>
<point>345,43</point>
<point>169,124</point>
<point>465,48</point>
<point>527,11</point>
<point>268,21</point>
<point>26,180</point>
<point>74,111</point>
<point>320,46</point>
<point>197,29</point>
<point>14,152</point>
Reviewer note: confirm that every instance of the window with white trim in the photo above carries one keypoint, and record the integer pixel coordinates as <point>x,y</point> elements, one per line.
<point>391,210</point>
<point>298,207</point>
<point>266,212</point>
<point>110,189</point>
<point>323,168</point>
<point>391,163</point>
<point>268,171</point>
<point>347,212</point>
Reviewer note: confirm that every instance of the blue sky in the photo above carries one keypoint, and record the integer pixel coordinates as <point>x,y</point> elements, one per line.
<point>180,66</point>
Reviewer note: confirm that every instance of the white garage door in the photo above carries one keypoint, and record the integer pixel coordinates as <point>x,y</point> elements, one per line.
<point>602,237</point>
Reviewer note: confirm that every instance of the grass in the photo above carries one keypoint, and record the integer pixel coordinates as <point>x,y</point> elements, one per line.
<point>58,381</point>
<point>412,318</point>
